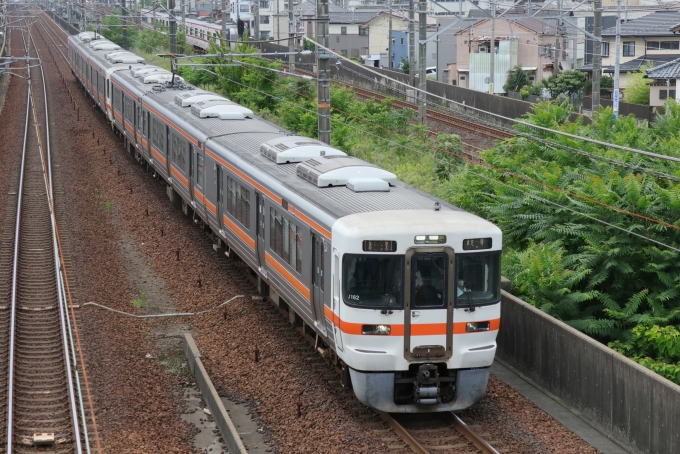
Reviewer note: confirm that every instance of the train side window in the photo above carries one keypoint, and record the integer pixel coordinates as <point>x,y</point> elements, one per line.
<point>238,202</point>
<point>108,88</point>
<point>199,169</point>
<point>157,134</point>
<point>285,239</point>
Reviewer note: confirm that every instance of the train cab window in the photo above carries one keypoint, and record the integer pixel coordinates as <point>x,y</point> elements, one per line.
<point>428,280</point>
<point>238,202</point>
<point>373,281</point>
<point>285,239</point>
<point>478,279</point>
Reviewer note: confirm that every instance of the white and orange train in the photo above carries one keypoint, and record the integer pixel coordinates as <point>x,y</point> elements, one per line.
<point>400,287</point>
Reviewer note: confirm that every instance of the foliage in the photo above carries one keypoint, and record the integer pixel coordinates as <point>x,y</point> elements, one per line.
<point>655,347</point>
<point>606,84</point>
<point>517,79</point>
<point>566,83</point>
<point>637,87</point>
<point>146,42</point>
<point>405,65</point>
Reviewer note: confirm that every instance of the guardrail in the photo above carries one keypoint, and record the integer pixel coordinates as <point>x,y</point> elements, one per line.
<point>627,402</point>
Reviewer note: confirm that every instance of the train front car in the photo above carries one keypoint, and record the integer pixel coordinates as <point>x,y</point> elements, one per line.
<point>417,306</point>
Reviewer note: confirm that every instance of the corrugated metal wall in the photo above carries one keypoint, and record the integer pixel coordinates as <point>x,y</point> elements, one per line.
<point>480,67</point>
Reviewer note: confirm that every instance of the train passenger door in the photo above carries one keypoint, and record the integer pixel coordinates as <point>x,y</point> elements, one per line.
<point>428,300</point>
<point>336,298</point>
<point>319,250</point>
<point>220,196</point>
<point>261,219</point>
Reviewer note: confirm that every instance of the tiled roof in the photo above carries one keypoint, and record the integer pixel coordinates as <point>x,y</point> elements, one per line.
<point>655,24</point>
<point>635,64</point>
<point>670,70</point>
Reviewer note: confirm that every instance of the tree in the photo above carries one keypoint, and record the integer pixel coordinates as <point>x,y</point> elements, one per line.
<point>517,79</point>
<point>405,66</point>
<point>567,83</point>
<point>637,87</point>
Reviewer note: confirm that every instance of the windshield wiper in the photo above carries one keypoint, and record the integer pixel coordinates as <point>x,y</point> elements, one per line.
<point>471,303</point>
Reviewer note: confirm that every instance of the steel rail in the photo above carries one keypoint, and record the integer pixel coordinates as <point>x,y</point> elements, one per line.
<point>47,169</point>
<point>73,333</point>
<point>403,433</point>
<point>10,387</point>
<point>468,433</point>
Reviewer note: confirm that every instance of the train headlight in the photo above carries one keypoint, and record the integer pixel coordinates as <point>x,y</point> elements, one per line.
<point>376,330</point>
<point>430,239</point>
<point>475,327</point>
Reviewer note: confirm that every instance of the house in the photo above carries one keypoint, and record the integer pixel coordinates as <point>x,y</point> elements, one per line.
<point>666,81</point>
<point>647,39</point>
<point>400,49</point>
<point>534,41</point>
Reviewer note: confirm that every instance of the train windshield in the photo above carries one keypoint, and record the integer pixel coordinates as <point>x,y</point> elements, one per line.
<point>373,281</point>
<point>478,279</point>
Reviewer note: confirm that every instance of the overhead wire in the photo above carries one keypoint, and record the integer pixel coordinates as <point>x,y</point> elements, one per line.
<point>501,171</point>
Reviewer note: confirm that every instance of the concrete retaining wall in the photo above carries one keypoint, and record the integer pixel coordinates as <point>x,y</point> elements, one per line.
<point>222,419</point>
<point>639,408</point>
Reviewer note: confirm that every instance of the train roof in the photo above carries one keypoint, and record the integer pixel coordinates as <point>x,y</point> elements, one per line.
<point>241,140</point>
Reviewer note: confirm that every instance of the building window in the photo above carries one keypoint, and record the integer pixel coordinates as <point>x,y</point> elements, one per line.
<point>264,35</point>
<point>652,45</point>
<point>264,19</point>
<point>245,8</point>
<point>337,39</point>
<point>344,52</point>
<point>670,45</point>
<point>343,30</point>
<point>605,49</point>
<point>285,239</point>
<point>401,41</point>
<point>363,32</point>
<point>629,48</point>
<point>264,4</point>
<point>238,202</point>
<point>664,94</point>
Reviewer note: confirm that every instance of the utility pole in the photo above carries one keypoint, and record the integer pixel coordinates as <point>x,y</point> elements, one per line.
<point>124,21</point>
<point>173,27</point>
<point>556,62</point>
<point>223,42</point>
<point>323,80</point>
<point>617,60</point>
<point>184,18</point>
<point>256,20</point>
<point>291,38</point>
<point>492,64</point>
<point>422,60</point>
<point>597,54</point>
<point>389,39</point>
<point>411,44</point>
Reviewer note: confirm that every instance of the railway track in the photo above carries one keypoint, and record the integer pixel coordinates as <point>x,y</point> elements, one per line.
<point>41,408</point>
<point>447,120</point>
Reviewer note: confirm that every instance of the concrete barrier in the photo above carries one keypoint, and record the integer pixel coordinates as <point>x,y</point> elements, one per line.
<point>222,419</point>
<point>627,402</point>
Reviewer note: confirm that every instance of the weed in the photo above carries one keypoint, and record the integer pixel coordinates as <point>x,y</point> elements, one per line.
<point>139,302</point>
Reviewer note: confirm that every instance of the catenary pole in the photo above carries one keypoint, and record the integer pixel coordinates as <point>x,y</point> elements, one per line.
<point>323,64</point>
<point>422,60</point>
<point>617,59</point>
<point>597,53</point>
<point>411,44</point>
<point>492,50</point>
<point>291,37</point>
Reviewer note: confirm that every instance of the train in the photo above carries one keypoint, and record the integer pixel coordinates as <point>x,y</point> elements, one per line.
<point>199,33</point>
<point>401,290</point>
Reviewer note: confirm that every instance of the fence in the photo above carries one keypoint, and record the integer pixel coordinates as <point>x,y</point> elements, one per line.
<point>637,407</point>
